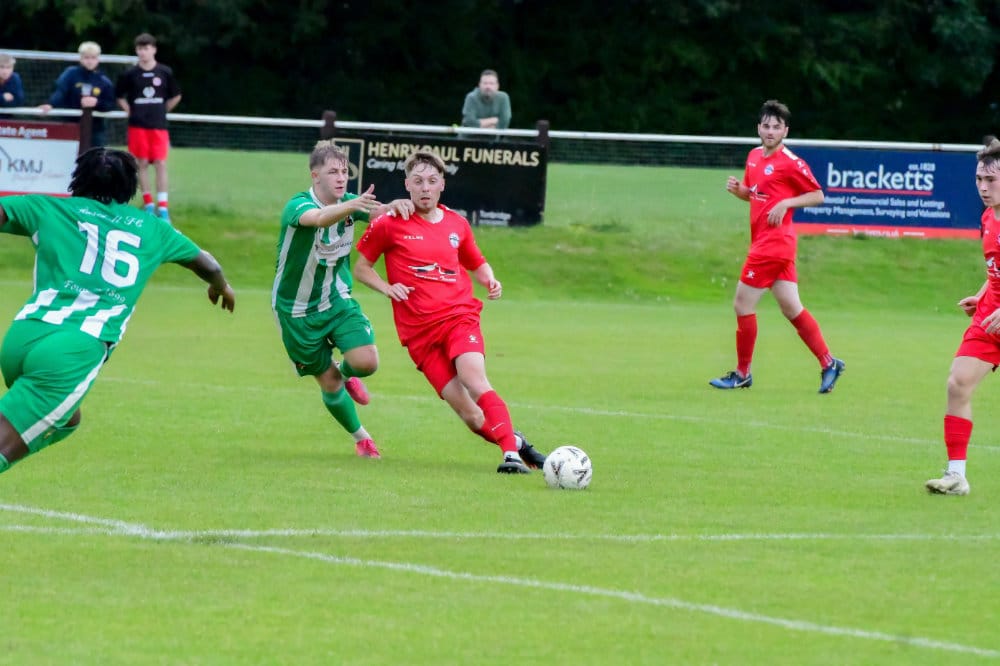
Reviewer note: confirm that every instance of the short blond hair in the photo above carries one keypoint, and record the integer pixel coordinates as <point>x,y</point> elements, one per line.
<point>7,59</point>
<point>326,150</point>
<point>89,48</point>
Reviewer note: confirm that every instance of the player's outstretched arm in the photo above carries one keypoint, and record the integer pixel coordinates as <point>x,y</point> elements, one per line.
<point>327,216</point>
<point>208,269</point>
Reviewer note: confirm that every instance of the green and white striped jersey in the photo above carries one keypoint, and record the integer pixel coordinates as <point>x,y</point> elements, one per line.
<point>313,272</point>
<point>92,260</point>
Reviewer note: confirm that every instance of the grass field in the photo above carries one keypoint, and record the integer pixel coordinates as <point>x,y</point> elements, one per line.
<point>209,511</point>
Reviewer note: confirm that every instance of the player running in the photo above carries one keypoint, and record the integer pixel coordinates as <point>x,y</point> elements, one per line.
<point>94,255</point>
<point>437,318</point>
<point>312,298</point>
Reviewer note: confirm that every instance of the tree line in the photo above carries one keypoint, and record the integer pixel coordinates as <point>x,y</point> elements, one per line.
<point>908,70</point>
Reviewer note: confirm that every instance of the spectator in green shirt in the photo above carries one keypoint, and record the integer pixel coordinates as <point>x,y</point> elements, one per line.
<point>487,106</point>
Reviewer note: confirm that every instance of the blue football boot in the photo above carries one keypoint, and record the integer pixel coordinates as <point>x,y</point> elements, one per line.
<point>732,381</point>
<point>830,374</point>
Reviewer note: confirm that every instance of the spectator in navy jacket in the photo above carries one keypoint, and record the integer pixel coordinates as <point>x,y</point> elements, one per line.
<point>84,86</point>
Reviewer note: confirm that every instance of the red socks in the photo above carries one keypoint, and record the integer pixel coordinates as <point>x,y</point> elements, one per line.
<point>811,335</point>
<point>957,432</point>
<point>497,425</point>
<point>746,339</point>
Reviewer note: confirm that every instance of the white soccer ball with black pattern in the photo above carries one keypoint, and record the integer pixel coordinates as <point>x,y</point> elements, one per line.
<point>568,467</point>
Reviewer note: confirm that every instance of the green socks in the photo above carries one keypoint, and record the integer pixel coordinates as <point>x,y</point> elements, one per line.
<point>341,407</point>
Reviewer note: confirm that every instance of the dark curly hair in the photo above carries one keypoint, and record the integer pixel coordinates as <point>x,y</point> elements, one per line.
<point>105,175</point>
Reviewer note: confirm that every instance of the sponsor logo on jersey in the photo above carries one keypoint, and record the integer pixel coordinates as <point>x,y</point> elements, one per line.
<point>434,272</point>
<point>992,270</point>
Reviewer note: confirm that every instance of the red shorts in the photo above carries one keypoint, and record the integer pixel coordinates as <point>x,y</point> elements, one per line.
<point>977,343</point>
<point>151,145</point>
<point>434,351</point>
<point>761,273</point>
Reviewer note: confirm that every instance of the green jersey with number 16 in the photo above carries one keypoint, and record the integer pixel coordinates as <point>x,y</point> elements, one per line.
<point>92,260</point>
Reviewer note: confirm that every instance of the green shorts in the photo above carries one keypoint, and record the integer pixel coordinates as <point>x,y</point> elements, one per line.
<point>310,340</point>
<point>49,370</point>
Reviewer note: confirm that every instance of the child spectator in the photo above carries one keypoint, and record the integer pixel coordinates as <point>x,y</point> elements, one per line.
<point>147,93</point>
<point>11,90</point>
<point>84,86</point>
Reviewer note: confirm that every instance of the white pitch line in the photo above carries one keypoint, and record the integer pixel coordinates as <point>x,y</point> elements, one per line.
<point>589,411</point>
<point>121,528</point>
<point>196,535</point>
<point>632,597</point>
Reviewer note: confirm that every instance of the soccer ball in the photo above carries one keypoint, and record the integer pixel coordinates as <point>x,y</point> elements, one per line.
<point>568,467</point>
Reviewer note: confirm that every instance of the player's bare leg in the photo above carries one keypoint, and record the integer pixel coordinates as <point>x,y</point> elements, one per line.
<point>965,375</point>
<point>12,447</point>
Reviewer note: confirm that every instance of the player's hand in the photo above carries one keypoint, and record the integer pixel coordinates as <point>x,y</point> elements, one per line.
<point>968,304</point>
<point>496,289</point>
<point>733,185</point>
<point>991,324</point>
<point>399,291</point>
<point>366,202</point>
<point>227,296</point>
<point>88,102</point>
<point>777,214</point>
<point>402,208</point>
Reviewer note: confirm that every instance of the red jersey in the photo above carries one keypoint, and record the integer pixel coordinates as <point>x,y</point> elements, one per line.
<point>771,179</point>
<point>990,300</point>
<point>433,258</point>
